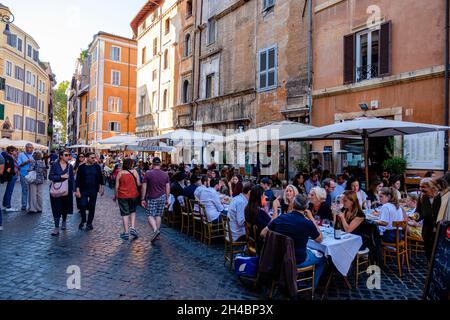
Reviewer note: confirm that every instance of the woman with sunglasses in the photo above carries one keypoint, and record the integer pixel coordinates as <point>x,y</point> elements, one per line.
<point>60,171</point>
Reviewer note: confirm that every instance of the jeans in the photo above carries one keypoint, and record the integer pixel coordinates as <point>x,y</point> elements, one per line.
<point>8,192</point>
<point>88,201</point>
<point>311,259</point>
<point>1,218</point>
<point>24,184</point>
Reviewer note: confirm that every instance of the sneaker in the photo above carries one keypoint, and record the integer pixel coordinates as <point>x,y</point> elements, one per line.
<point>23,209</point>
<point>11,210</point>
<point>81,226</point>
<point>153,236</point>
<point>134,233</point>
<point>64,226</point>
<point>89,227</point>
<point>124,236</point>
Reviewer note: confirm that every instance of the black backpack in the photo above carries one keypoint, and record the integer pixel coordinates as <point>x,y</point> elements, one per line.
<point>9,164</point>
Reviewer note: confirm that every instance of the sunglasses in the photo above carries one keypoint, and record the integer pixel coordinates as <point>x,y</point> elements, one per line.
<point>66,155</point>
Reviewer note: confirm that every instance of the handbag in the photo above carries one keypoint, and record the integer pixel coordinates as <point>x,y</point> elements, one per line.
<point>59,189</point>
<point>246,266</point>
<point>31,177</point>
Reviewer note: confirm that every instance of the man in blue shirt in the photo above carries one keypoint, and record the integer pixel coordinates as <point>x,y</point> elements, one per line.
<point>236,213</point>
<point>300,226</point>
<point>24,161</point>
<point>312,182</point>
<point>189,190</point>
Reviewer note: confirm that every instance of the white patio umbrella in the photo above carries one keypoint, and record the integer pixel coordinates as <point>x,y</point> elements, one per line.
<point>21,144</point>
<point>78,146</point>
<point>189,136</point>
<point>152,146</point>
<point>270,132</point>
<point>121,138</point>
<point>5,142</point>
<point>365,128</point>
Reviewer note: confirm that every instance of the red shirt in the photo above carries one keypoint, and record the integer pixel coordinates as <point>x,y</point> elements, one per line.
<point>127,186</point>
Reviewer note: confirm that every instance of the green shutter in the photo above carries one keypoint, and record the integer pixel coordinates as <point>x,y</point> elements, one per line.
<point>2,112</point>
<point>2,83</point>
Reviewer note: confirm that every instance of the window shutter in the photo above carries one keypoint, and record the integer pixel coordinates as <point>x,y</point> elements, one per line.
<point>349,59</point>
<point>385,49</point>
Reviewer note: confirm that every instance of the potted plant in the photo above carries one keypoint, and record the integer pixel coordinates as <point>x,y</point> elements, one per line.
<point>395,165</point>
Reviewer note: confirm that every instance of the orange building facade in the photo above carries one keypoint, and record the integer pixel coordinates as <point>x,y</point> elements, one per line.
<point>111,107</point>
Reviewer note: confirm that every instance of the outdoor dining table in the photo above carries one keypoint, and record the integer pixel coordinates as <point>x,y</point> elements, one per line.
<point>341,252</point>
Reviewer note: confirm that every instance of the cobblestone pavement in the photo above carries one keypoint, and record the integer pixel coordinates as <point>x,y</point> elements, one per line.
<point>33,264</point>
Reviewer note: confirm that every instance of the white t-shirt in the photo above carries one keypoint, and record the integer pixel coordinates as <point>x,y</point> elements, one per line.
<point>389,213</point>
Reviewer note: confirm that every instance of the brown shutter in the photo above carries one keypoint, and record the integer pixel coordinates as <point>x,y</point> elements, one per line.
<point>349,58</point>
<point>385,49</point>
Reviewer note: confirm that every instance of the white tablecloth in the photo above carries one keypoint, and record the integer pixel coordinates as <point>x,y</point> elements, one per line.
<point>342,252</point>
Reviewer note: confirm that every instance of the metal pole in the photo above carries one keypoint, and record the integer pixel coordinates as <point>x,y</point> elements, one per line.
<point>310,60</point>
<point>446,102</point>
<point>366,157</point>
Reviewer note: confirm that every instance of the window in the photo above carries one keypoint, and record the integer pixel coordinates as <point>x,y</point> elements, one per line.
<point>115,53</point>
<point>19,44</point>
<point>94,54</point>
<point>155,15</point>
<point>114,104</point>
<point>210,85</point>
<point>30,124</point>
<point>28,77</point>
<point>30,100</point>
<point>43,87</point>
<point>35,55</point>
<point>155,46</point>
<point>12,40</point>
<point>185,91</point>
<point>141,105</point>
<point>30,51</point>
<point>154,104</point>
<point>367,54</point>
<point>211,31</point>
<point>41,127</point>
<point>17,122</point>
<point>165,100</point>
<point>94,81</point>
<point>188,8</point>
<point>144,55</point>
<point>13,95</point>
<point>166,59</point>
<point>187,45</point>
<point>167,26</point>
<point>154,75</point>
<point>9,67</point>
<point>114,126</point>
<point>33,81</point>
<point>144,25</point>
<point>20,74</point>
<point>115,78</point>
<point>267,4</point>
<point>267,74</point>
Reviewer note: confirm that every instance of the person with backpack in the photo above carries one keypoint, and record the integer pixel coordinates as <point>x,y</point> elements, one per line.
<point>127,191</point>
<point>9,176</point>
<point>36,185</point>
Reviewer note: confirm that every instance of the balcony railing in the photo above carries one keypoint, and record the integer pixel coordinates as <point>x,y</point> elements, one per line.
<point>367,72</point>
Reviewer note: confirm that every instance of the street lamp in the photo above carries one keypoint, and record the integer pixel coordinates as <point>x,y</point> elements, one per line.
<point>7,17</point>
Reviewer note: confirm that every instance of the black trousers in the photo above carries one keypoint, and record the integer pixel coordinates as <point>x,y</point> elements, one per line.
<point>88,202</point>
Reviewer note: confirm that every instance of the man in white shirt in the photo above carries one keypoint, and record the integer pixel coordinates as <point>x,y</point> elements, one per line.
<point>236,213</point>
<point>210,198</point>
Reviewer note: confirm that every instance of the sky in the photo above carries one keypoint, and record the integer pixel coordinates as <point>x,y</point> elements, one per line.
<point>63,28</point>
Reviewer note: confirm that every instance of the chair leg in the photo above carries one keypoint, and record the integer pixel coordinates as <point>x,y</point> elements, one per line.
<point>357,271</point>
<point>384,255</point>
<point>398,264</point>
<point>407,262</point>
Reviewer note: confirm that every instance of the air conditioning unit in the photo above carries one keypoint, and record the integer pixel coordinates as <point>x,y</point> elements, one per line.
<point>374,104</point>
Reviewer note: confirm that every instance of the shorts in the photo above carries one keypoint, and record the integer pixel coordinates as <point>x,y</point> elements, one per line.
<point>128,206</point>
<point>155,207</point>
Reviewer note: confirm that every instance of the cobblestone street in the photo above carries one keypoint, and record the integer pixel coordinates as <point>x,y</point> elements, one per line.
<point>34,264</point>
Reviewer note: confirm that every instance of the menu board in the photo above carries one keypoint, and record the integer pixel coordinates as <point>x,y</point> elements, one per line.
<point>437,286</point>
<point>424,151</point>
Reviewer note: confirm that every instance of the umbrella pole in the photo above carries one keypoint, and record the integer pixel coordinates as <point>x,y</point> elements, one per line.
<point>366,157</point>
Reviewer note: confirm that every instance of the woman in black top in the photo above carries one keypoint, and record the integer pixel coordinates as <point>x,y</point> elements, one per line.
<point>317,203</point>
<point>255,215</point>
<point>351,217</point>
<point>286,202</point>
<point>372,194</point>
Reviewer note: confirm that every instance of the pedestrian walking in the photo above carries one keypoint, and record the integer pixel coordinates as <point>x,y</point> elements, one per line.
<point>2,169</point>
<point>155,196</point>
<point>127,194</point>
<point>62,204</point>
<point>24,161</point>
<point>9,177</point>
<point>36,186</point>
<point>81,159</point>
<point>88,184</point>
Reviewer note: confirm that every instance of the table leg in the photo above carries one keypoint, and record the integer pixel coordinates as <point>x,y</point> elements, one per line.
<point>325,292</point>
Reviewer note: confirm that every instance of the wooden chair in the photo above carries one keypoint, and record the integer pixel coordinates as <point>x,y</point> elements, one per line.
<point>186,212</point>
<point>251,232</point>
<point>210,230</point>
<point>399,249</point>
<point>362,258</point>
<point>415,245</point>
<point>230,244</point>
<point>197,224</point>
<point>305,275</point>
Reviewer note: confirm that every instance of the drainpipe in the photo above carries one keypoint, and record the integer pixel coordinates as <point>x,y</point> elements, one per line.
<point>446,103</point>
<point>310,59</point>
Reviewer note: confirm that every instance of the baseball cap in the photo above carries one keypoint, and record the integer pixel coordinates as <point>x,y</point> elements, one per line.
<point>265,180</point>
<point>156,160</point>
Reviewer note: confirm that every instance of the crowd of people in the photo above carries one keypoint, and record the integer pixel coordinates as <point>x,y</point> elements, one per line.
<point>295,209</point>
